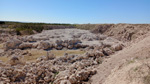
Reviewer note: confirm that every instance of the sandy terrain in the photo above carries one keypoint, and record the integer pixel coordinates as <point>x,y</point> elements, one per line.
<point>139,50</point>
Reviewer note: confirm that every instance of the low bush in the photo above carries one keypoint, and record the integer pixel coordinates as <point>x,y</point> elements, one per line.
<point>28,28</point>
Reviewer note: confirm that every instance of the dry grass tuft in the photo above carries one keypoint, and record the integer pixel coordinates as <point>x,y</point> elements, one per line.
<point>1,45</point>
<point>4,58</point>
<point>38,53</point>
<point>34,54</point>
<point>62,52</point>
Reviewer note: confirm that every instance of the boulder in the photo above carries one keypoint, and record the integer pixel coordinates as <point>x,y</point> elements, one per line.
<point>84,46</point>
<point>64,44</point>
<point>30,39</point>
<point>70,47</point>
<point>25,45</point>
<point>90,54</point>
<point>117,47</point>
<point>102,37</point>
<point>73,79</point>
<point>43,45</point>
<point>59,42</point>
<point>78,46</point>
<point>35,45</point>
<point>107,51</point>
<point>108,42</point>
<point>83,75</point>
<point>14,60</point>
<point>12,44</point>
<point>25,52</point>
<point>50,56</point>
<point>59,47</point>
<point>99,54</point>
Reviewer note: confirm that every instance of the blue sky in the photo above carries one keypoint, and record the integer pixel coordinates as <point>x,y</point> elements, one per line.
<point>76,11</point>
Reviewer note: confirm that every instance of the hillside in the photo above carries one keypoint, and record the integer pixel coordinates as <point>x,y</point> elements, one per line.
<point>133,59</point>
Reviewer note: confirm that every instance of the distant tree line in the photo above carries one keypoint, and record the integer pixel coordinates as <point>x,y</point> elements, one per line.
<point>2,22</point>
<point>30,28</point>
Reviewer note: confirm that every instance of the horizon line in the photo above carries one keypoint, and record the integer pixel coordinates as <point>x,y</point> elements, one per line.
<point>65,23</point>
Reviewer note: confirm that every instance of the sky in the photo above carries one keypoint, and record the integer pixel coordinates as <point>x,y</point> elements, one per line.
<point>76,11</point>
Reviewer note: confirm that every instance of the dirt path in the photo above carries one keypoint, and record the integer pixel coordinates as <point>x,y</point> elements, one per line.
<point>140,49</point>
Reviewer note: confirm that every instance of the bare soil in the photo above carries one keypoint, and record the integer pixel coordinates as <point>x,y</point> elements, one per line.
<point>139,49</point>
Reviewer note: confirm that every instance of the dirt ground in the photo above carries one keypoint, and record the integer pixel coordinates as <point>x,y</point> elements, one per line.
<point>107,74</point>
<point>128,66</point>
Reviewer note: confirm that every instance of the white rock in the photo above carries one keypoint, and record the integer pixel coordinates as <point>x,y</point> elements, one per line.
<point>12,44</point>
<point>117,47</point>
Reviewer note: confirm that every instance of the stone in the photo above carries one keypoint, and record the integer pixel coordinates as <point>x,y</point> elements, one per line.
<point>30,39</point>
<point>117,47</point>
<point>99,54</point>
<point>107,51</point>
<point>47,79</point>
<point>25,53</point>
<point>82,75</point>
<point>59,42</point>
<point>12,44</point>
<point>102,37</point>
<point>73,79</point>
<point>25,46</point>
<point>14,60</point>
<point>70,47</point>
<point>50,56</point>
<point>65,82</point>
<point>35,45</point>
<point>43,45</point>
<point>108,42</point>
<point>59,47</point>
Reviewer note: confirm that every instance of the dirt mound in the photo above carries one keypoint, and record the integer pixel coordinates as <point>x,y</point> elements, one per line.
<point>123,32</point>
<point>133,71</point>
<point>138,50</point>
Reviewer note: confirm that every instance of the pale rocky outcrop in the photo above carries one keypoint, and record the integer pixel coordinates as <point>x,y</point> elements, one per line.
<point>117,47</point>
<point>25,45</point>
<point>43,45</point>
<point>67,69</point>
<point>30,39</point>
<point>12,44</point>
<point>108,51</point>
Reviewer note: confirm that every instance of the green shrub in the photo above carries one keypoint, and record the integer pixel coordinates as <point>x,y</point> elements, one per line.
<point>27,28</point>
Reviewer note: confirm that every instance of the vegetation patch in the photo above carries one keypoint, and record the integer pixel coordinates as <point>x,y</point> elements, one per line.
<point>95,28</point>
<point>38,53</point>
<point>27,28</point>
<point>34,55</point>
<point>1,46</point>
<point>62,52</point>
<point>4,58</point>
